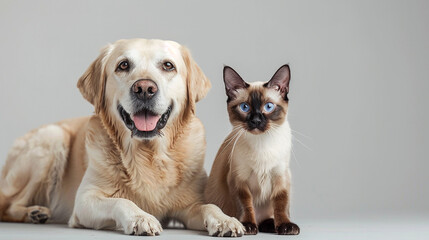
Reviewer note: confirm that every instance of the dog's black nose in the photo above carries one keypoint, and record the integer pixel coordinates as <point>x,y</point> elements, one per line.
<point>144,89</point>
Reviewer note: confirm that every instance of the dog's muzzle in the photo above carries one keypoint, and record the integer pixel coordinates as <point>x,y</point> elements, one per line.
<point>144,123</point>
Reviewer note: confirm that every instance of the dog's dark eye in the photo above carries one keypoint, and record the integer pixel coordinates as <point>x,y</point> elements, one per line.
<point>168,66</point>
<point>123,66</point>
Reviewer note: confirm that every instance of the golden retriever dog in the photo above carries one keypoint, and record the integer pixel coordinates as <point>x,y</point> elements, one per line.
<point>137,161</point>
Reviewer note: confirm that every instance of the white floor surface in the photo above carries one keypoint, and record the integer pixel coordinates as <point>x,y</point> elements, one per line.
<point>359,229</point>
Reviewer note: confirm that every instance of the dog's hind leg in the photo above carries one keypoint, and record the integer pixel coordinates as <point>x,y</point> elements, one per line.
<point>32,172</point>
<point>19,212</point>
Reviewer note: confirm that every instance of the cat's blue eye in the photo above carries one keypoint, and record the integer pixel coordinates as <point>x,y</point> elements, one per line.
<point>244,107</point>
<point>268,107</point>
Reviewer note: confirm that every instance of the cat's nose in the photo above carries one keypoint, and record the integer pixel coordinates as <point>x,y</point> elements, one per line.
<point>256,120</point>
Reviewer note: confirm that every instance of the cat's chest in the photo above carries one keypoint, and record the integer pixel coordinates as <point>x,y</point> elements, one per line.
<point>263,152</point>
<point>260,185</point>
<point>258,159</point>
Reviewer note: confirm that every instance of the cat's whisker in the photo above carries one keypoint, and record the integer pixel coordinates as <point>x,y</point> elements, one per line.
<point>235,130</point>
<point>296,139</point>
<point>235,142</point>
<point>294,156</point>
<point>229,140</point>
<point>302,134</point>
<point>273,129</point>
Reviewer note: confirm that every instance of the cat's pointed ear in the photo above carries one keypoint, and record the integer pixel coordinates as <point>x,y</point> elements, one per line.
<point>233,81</point>
<point>280,81</point>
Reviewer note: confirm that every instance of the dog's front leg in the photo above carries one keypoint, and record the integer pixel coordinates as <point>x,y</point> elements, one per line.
<point>208,216</point>
<point>94,210</point>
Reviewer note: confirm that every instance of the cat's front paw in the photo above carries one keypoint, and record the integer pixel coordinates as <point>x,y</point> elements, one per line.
<point>267,226</point>
<point>251,228</point>
<point>224,227</point>
<point>288,229</point>
<point>142,225</point>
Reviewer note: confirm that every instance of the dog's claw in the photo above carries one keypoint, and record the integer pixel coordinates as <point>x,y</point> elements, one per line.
<point>228,234</point>
<point>143,225</point>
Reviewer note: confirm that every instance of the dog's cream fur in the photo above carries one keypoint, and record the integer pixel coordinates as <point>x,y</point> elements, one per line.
<point>90,172</point>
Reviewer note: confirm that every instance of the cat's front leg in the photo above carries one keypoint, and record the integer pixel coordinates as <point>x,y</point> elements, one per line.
<point>280,201</point>
<point>248,212</point>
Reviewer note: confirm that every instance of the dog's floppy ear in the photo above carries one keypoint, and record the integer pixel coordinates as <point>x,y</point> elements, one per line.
<point>198,84</point>
<point>91,83</point>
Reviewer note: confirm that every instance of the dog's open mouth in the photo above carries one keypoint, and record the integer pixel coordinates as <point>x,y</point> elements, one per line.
<point>144,123</point>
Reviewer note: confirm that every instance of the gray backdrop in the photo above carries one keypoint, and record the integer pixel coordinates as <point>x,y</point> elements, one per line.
<point>358,101</point>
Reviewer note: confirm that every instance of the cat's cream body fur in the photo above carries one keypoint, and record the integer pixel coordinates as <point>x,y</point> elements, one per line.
<point>260,160</point>
<point>250,177</point>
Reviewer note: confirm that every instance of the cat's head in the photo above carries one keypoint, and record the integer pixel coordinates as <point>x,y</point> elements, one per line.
<point>259,106</point>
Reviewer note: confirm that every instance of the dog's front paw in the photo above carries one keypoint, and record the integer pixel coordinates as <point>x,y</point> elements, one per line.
<point>143,225</point>
<point>224,227</point>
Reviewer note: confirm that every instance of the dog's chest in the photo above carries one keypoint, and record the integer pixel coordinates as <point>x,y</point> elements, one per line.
<point>151,184</point>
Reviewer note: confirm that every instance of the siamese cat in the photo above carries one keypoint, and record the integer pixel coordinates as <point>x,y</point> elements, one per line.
<point>250,177</point>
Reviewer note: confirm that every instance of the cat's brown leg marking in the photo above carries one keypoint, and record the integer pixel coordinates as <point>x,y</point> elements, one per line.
<point>282,222</point>
<point>280,203</point>
<point>248,219</point>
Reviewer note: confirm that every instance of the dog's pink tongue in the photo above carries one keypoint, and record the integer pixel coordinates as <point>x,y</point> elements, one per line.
<point>145,121</point>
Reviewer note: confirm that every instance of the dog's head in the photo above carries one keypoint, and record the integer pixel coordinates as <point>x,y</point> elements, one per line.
<point>146,85</point>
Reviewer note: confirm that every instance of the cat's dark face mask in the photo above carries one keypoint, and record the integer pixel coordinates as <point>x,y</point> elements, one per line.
<point>257,107</point>
<point>255,118</point>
